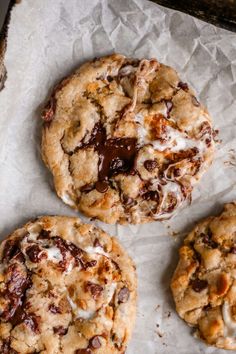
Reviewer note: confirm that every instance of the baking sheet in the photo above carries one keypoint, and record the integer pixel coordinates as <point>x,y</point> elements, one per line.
<point>47,40</point>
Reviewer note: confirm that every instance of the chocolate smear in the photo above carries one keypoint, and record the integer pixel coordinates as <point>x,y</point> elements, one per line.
<point>115,155</point>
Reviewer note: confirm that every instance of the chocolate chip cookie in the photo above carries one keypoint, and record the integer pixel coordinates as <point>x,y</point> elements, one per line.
<point>65,287</point>
<point>204,283</point>
<point>126,140</point>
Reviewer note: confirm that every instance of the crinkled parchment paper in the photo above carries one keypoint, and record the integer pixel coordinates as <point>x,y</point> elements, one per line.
<point>47,40</point>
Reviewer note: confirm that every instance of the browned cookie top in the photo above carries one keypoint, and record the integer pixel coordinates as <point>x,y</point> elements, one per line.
<point>126,140</point>
<point>65,287</point>
<point>204,283</point>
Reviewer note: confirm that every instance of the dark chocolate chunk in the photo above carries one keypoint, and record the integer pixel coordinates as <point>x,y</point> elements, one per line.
<point>233,250</point>
<point>60,330</point>
<point>84,351</point>
<point>32,321</point>
<point>95,342</point>
<point>109,78</point>
<point>206,238</point>
<point>123,295</point>
<point>75,251</point>
<point>5,348</point>
<point>90,264</point>
<point>54,309</point>
<point>101,186</point>
<point>198,285</point>
<point>35,253</point>
<point>118,165</point>
<point>44,235</point>
<point>177,172</point>
<point>183,85</point>
<point>66,247</point>
<point>94,289</point>
<point>115,155</point>
<point>11,249</point>
<point>151,195</point>
<point>150,165</point>
<point>17,284</point>
<point>128,201</point>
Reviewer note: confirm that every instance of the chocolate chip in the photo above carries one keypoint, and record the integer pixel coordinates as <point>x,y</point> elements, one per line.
<point>35,253</point>
<point>54,309</point>
<point>195,101</point>
<point>151,195</point>
<point>60,330</point>
<point>123,295</point>
<point>150,165</point>
<point>128,201</point>
<point>44,235</point>
<point>94,289</point>
<point>109,78</point>
<point>101,186</point>
<point>183,85</point>
<point>198,285</point>
<point>95,342</point>
<point>84,351</point>
<point>206,238</point>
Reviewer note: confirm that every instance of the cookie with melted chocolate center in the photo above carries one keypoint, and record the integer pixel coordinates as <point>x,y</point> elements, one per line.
<point>126,129</point>
<point>65,287</point>
<point>204,283</point>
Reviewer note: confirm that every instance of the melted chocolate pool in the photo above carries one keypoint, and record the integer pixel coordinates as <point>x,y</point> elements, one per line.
<point>115,155</point>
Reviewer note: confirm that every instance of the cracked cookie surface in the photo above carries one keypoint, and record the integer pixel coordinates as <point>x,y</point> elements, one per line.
<point>65,287</point>
<point>204,283</point>
<point>126,140</point>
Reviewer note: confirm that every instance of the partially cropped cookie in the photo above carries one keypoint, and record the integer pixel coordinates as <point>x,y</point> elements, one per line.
<point>126,140</point>
<point>65,287</point>
<point>204,283</point>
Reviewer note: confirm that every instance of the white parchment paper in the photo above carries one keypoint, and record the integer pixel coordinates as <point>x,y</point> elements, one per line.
<point>48,39</point>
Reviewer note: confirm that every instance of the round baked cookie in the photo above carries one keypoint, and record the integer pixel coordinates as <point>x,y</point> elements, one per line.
<point>126,140</point>
<point>204,283</point>
<point>65,287</point>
